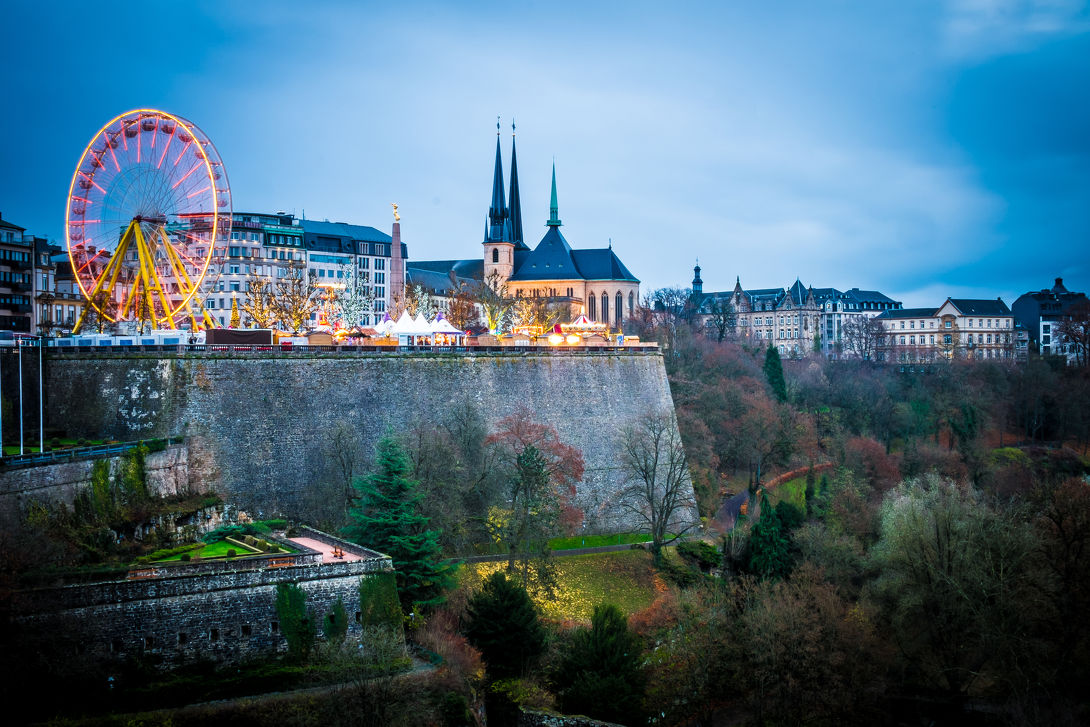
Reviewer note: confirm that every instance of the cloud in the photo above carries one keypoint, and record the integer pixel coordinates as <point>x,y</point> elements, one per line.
<point>974,30</point>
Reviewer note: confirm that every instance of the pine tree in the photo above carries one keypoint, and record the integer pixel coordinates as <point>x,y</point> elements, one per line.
<point>388,520</point>
<point>774,373</point>
<point>600,676</point>
<point>769,547</point>
<point>502,622</point>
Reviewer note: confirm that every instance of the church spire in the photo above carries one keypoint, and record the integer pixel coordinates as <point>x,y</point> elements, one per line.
<point>514,204</point>
<point>554,210</point>
<point>497,212</point>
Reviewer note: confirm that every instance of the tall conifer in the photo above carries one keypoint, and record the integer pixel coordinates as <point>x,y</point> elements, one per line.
<point>388,520</point>
<point>774,373</point>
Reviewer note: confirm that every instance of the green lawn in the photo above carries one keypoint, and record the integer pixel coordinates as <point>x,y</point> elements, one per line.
<point>625,579</point>
<point>794,491</point>
<point>217,549</point>
<point>593,541</point>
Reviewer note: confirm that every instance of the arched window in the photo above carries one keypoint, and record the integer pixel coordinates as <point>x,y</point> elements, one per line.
<point>495,254</point>
<point>591,312</point>
<point>618,309</point>
<point>631,303</point>
<point>605,308</point>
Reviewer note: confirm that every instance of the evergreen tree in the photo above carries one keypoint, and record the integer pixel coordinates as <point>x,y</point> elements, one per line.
<point>502,622</point>
<point>388,520</point>
<point>600,676</point>
<point>774,373</point>
<point>769,547</point>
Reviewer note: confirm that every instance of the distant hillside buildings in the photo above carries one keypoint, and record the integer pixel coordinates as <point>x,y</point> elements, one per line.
<point>797,320</point>
<point>1041,314</point>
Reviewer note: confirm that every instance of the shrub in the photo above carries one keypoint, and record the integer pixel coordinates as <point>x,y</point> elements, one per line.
<point>699,554</point>
<point>295,622</point>
<point>81,442</point>
<point>54,443</point>
<point>186,557</point>
<point>600,675</point>
<point>502,622</point>
<point>231,553</point>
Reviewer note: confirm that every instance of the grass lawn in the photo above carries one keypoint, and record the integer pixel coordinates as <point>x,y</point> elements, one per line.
<point>625,579</point>
<point>593,541</point>
<point>217,549</point>
<point>794,491</point>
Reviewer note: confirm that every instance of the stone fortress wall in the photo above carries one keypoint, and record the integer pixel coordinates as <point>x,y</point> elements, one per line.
<point>259,427</point>
<point>222,612</point>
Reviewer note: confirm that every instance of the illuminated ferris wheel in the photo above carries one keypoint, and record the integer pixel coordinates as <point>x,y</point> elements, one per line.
<point>148,204</point>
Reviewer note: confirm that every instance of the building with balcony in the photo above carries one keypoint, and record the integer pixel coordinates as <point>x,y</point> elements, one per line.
<point>16,278</point>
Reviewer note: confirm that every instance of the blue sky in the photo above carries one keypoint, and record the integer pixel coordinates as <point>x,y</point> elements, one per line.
<point>925,149</point>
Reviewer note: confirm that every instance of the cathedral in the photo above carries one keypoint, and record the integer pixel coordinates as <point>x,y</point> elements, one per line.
<point>594,281</point>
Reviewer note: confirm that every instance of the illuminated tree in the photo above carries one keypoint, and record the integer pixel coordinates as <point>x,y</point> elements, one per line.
<point>260,304</point>
<point>356,299</point>
<point>543,311</point>
<point>462,311</point>
<point>296,298</point>
<point>492,296</point>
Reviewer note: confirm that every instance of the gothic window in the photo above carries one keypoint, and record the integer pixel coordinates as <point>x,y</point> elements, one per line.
<point>605,308</point>
<point>631,302</point>
<point>495,254</point>
<point>592,313</point>
<point>619,307</point>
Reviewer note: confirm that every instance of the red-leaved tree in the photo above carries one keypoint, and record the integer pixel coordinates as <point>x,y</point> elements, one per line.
<point>542,473</point>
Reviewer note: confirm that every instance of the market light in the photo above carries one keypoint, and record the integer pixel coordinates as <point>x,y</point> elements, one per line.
<point>574,339</point>
<point>556,339</point>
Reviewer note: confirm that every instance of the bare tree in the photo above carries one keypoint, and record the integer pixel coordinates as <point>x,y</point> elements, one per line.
<point>721,318</point>
<point>296,298</point>
<point>863,336</point>
<point>659,491</point>
<point>492,295</point>
<point>462,311</point>
<point>260,304</point>
<point>1074,330</point>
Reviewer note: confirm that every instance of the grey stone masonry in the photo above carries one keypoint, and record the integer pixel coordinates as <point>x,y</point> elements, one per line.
<point>223,612</point>
<point>259,427</point>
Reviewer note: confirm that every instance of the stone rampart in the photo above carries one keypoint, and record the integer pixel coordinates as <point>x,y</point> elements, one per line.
<point>259,428</point>
<point>167,475</point>
<point>222,614</point>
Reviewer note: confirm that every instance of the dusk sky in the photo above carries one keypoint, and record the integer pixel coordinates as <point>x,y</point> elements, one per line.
<point>924,149</point>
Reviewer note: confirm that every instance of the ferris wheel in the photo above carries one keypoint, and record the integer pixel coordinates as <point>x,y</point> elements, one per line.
<point>148,205</point>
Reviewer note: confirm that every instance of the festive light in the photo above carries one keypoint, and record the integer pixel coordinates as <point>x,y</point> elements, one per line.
<point>556,339</point>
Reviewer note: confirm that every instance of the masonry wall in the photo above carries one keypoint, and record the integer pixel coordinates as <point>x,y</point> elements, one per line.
<point>260,428</point>
<point>167,475</point>
<point>223,617</point>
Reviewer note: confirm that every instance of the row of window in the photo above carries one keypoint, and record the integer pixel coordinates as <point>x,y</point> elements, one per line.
<point>618,309</point>
<point>948,339</point>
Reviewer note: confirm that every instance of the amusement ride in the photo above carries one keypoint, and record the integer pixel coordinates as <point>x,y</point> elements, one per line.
<point>147,217</point>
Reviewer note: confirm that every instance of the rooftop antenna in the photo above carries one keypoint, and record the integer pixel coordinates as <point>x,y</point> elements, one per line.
<point>497,124</point>
<point>512,126</point>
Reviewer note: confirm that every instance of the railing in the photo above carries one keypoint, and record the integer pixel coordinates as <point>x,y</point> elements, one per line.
<point>280,349</point>
<point>71,454</point>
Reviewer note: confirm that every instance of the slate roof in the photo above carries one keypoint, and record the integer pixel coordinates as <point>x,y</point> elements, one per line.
<point>343,229</point>
<point>469,269</point>
<point>550,260</point>
<point>907,313</point>
<point>869,296</point>
<point>4,224</point>
<point>974,307</point>
<point>797,292</point>
<point>601,264</point>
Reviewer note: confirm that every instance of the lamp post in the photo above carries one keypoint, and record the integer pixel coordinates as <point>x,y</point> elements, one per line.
<point>19,346</point>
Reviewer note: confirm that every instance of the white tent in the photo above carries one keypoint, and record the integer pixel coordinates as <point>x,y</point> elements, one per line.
<point>406,326</point>
<point>442,325</point>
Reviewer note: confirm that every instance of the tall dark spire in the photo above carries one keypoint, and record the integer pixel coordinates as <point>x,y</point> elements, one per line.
<point>554,210</point>
<point>698,284</point>
<point>514,204</point>
<point>497,212</point>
